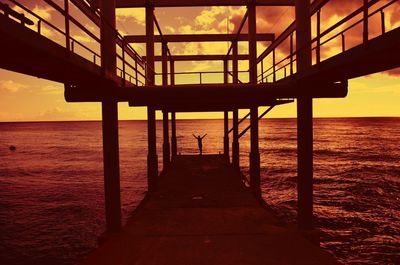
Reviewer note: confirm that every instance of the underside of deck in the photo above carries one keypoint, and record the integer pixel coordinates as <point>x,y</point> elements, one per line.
<point>200,212</point>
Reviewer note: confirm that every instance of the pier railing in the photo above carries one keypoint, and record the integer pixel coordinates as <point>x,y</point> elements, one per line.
<point>131,68</point>
<point>279,69</point>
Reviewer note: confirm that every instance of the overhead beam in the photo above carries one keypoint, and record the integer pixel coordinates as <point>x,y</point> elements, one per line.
<point>191,3</point>
<point>198,37</point>
<point>217,57</point>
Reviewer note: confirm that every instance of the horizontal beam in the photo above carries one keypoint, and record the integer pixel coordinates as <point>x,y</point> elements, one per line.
<point>216,96</point>
<point>199,37</point>
<point>190,3</point>
<point>217,57</point>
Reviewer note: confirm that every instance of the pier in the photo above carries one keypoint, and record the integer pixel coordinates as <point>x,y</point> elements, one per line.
<point>201,212</point>
<point>197,209</point>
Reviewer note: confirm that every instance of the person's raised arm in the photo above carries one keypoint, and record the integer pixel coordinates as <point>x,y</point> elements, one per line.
<point>194,136</point>
<point>204,136</point>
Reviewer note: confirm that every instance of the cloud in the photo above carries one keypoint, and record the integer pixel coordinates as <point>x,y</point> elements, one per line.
<point>136,15</point>
<point>44,12</point>
<point>11,86</point>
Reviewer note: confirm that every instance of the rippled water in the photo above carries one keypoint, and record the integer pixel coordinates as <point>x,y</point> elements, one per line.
<point>51,187</point>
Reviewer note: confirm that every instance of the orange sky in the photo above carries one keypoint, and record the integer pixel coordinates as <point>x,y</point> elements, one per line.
<point>25,98</point>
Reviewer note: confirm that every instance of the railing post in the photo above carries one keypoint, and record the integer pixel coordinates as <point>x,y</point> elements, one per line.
<point>318,48</point>
<point>304,120</point>
<point>123,63</point>
<point>110,123</point>
<point>291,54</point>
<point>67,33</point>
<point>365,22</point>
<point>343,43</point>
<point>262,71</point>
<point>152,159</point>
<point>273,66</point>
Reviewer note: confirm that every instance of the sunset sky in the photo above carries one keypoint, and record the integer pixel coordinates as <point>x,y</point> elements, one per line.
<point>25,98</point>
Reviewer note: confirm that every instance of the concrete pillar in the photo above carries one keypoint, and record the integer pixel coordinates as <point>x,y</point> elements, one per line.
<point>152,159</point>
<point>304,121</point>
<point>254,141</point>
<point>110,123</point>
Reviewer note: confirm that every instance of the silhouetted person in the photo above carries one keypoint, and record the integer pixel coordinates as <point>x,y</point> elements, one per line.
<point>200,142</point>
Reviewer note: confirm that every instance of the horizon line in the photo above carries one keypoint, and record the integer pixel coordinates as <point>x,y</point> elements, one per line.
<point>99,120</point>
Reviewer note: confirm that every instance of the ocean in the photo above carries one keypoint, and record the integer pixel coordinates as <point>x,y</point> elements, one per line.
<point>51,186</point>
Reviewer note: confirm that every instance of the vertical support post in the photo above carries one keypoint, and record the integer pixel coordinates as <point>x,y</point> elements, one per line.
<point>235,142</point>
<point>226,116</point>
<point>273,66</point>
<point>111,165</point>
<point>304,121</point>
<point>174,145</point>
<point>166,150</point>
<point>152,159</point>
<point>365,22</point>
<point>166,146</point>
<point>173,135</point>
<point>235,117</point>
<point>291,54</point>
<point>110,123</point>
<point>254,145</point>
<point>318,48</point>
<point>383,22</point>
<point>262,71</point>
<point>67,33</point>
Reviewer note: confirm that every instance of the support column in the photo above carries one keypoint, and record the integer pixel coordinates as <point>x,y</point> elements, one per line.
<point>235,142</point>
<point>152,159</point>
<point>110,123</point>
<point>111,165</point>
<point>166,150</point>
<point>235,113</point>
<point>304,121</point>
<point>226,117</point>
<point>166,146</point>
<point>254,145</point>
<point>174,147</point>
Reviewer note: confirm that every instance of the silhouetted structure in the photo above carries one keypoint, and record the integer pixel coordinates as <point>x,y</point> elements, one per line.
<point>118,75</point>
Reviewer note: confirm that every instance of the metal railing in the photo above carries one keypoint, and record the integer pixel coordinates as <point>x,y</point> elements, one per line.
<point>133,66</point>
<point>286,65</point>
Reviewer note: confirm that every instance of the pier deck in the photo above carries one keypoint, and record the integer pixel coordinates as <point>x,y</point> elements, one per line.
<point>200,212</point>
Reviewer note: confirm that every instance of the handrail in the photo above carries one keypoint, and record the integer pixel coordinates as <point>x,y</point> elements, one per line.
<point>95,16</point>
<point>259,118</point>
<point>319,36</point>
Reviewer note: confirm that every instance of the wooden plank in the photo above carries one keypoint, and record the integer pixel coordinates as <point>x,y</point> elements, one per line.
<point>190,3</point>
<point>201,213</point>
<point>198,37</point>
